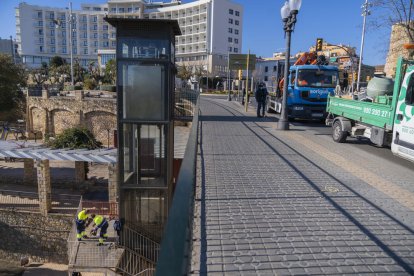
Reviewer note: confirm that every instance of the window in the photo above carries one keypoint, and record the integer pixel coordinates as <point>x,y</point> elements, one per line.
<point>85,43</point>
<point>230,39</point>
<point>113,10</point>
<point>129,10</point>
<point>274,68</point>
<point>64,41</point>
<point>230,21</point>
<point>41,49</point>
<point>40,31</point>
<point>95,35</point>
<point>39,14</point>
<point>95,43</point>
<point>95,27</point>
<point>75,50</point>
<point>230,49</point>
<point>105,27</point>
<point>236,50</point>
<point>113,43</point>
<point>84,18</point>
<point>53,49</point>
<point>230,30</point>
<point>85,35</point>
<point>237,13</point>
<point>121,10</point>
<point>236,31</point>
<point>40,23</point>
<point>63,50</point>
<point>236,41</point>
<point>230,11</point>
<point>105,44</point>
<point>409,97</point>
<point>236,22</point>
<point>52,40</point>
<point>96,8</point>
<point>85,51</point>
<point>64,33</point>
<point>51,24</point>
<point>105,36</point>
<point>95,19</point>
<point>266,78</point>
<point>266,69</point>
<point>113,35</point>
<point>40,39</point>
<point>52,32</point>
<point>52,16</point>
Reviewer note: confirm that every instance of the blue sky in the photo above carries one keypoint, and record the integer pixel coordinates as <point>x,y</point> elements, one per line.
<point>334,20</point>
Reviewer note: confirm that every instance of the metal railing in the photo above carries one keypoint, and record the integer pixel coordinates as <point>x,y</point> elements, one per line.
<point>175,247</point>
<point>104,208</point>
<point>133,264</point>
<point>140,244</point>
<point>29,202</point>
<point>185,102</point>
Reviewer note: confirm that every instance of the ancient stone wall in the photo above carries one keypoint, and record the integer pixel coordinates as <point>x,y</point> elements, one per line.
<point>42,239</point>
<point>54,114</point>
<point>398,38</point>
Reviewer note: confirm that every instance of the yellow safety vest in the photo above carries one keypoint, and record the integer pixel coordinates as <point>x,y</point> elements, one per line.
<point>98,220</point>
<point>82,215</point>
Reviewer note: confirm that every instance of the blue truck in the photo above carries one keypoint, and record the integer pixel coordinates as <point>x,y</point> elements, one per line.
<point>308,90</point>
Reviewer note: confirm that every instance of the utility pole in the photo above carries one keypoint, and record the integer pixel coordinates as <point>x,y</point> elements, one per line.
<point>365,13</point>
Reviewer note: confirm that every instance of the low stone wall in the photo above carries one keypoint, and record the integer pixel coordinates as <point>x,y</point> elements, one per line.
<point>42,239</point>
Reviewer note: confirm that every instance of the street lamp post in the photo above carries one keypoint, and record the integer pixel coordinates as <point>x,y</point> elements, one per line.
<point>288,12</point>
<point>365,13</point>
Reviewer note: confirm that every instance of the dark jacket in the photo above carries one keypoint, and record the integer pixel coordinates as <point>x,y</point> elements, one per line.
<point>261,94</point>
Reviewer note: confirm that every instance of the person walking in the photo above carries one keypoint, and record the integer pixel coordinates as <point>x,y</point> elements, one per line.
<point>261,96</point>
<point>100,223</point>
<point>81,221</point>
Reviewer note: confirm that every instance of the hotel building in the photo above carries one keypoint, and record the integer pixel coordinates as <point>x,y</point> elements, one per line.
<point>211,29</point>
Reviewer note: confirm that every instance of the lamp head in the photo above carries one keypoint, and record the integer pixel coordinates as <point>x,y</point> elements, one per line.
<point>285,11</point>
<point>294,5</point>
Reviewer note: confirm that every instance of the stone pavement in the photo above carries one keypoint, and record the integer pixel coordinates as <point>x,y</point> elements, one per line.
<point>270,202</point>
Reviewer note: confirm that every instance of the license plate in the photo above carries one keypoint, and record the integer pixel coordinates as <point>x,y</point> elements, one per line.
<point>317,115</point>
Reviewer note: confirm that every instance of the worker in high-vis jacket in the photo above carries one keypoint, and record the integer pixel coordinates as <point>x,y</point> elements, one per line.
<point>100,223</point>
<point>81,221</point>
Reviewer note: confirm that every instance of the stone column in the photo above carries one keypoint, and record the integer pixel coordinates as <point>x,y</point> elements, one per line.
<point>29,172</point>
<point>46,126</point>
<point>113,186</point>
<point>80,174</point>
<point>44,186</point>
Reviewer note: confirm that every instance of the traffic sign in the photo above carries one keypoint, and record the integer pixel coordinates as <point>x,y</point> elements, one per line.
<point>239,62</point>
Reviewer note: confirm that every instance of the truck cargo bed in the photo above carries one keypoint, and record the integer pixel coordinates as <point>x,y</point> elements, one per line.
<point>380,115</point>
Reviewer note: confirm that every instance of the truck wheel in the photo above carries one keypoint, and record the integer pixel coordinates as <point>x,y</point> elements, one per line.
<point>338,134</point>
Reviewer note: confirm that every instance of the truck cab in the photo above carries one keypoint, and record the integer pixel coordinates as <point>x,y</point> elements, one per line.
<point>308,90</point>
<point>403,131</point>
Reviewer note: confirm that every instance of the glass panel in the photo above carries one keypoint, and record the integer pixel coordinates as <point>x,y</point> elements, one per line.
<point>144,156</point>
<point>143,48</point>
<point>145,208</point>
<point>143,91</point>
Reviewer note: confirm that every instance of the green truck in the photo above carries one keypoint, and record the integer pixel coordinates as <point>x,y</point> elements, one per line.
<point>387,121</point>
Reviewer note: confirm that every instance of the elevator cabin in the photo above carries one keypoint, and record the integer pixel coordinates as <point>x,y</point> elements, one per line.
<point>145,61</point>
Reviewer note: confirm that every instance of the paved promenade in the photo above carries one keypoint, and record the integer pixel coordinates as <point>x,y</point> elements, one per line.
<point>270,202</point>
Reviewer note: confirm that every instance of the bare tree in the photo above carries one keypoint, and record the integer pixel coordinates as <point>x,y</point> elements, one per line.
<point>391,12</point>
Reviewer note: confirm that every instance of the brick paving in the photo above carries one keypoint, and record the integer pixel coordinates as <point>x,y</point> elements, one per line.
<point>294,203</point>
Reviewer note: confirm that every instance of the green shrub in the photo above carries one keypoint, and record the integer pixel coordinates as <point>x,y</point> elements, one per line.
<point>89,84</point>
<point>108,87</point>
<point>72,87</point>
<point>75,138</point>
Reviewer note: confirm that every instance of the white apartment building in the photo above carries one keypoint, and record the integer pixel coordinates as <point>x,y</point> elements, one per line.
<point>211,29</point>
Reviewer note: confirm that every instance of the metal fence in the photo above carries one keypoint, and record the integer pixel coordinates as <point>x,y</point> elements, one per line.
<point>185,102</point>
<point>174,254</point>
<point>104,208</point>
<point>29,202</point>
